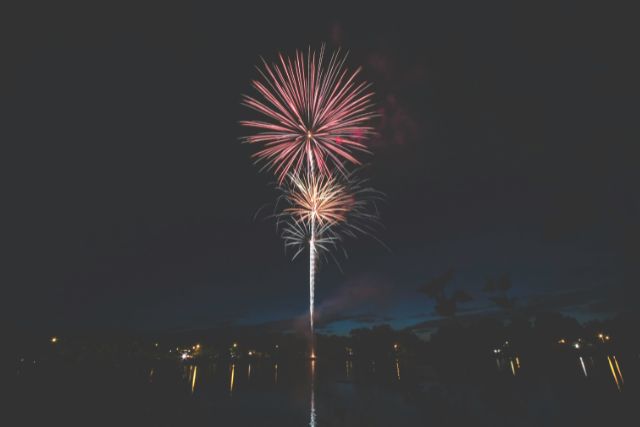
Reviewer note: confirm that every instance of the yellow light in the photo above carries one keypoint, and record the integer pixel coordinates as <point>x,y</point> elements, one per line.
<point>618,369</point>
<point>613,372</point>
<point>193,383</point>
<point>231,380</point>
<point>235,344</point>
<point>562,341</point>
<point>54,340</point>
<point>197,346</point>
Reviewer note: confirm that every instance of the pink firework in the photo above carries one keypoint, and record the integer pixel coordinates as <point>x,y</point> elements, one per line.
<point>315,114</point>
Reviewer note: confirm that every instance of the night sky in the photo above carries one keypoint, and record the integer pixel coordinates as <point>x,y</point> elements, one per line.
<point>506,146</point>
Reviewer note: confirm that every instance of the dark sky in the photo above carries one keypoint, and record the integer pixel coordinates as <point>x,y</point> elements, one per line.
<point>506,145</point>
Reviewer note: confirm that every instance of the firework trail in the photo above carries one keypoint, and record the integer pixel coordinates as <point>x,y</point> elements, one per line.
<point>322,212</point>
<point>314,118</point>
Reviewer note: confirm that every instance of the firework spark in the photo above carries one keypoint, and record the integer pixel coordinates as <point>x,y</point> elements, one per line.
<point>297,235</point>
<point>315,114</point>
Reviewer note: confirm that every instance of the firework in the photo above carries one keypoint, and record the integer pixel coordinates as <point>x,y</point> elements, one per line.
<point>316,203</point>
<point>315,117</point>
<point>315,114</point>
<point>321,212</point>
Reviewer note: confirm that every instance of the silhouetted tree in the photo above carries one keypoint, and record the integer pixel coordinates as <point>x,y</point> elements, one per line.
<point>499,289</point>
<point>446,306</point>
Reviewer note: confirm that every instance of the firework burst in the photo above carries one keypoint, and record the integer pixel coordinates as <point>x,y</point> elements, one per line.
<point>318,198</point>
<point>338,207</point>
<point>315,114</point>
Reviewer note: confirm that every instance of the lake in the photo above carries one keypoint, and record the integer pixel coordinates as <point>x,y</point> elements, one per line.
<point>264,392</point>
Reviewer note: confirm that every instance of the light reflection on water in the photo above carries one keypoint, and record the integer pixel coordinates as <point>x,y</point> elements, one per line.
<point>618,369</point>
<point>584,367</point>
<point>193,381</point>
<point>232,378</point>
<point>512,362</point>
<point>280,381</point>
<point>403,392</point>
<point>612,364</point>
<point>512,365</point>
<point>312,409</point>
<point>616,373</point>
<point>275,374</point>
